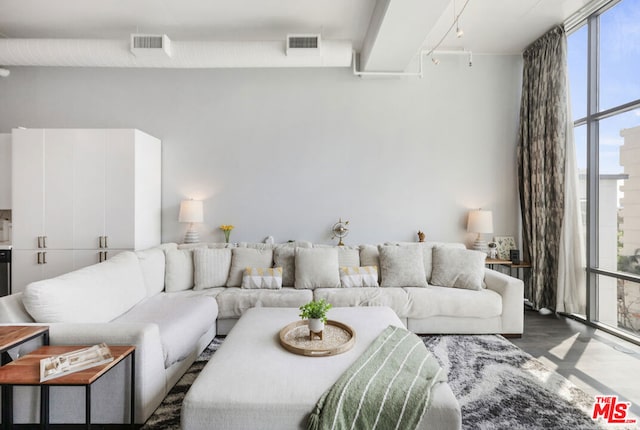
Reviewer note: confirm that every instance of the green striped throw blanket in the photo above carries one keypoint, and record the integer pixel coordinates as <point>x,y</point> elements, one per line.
<point>388,387</point>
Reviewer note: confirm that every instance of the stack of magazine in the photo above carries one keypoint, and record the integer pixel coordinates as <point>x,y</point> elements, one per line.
<point>74,361</point>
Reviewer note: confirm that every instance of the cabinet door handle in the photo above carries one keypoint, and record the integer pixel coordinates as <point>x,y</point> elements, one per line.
<point>39,241</point>
<point>100,257</point>
<point>44,242</point>
<point>99,241</point>
<point>105,256</point>
<point>44,258</point>
<point>106,244</point>
<point>39,257</point>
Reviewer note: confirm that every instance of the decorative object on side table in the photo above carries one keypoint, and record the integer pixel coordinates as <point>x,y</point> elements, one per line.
<point>480,222</point>
<point>340,230</point>
<point>421,236</point>
<point>493,250</point>
<point>316,312</point>
<point>505,244</point>
<point>226,229</point>
<point>191,211</point>
<point>514,256</point>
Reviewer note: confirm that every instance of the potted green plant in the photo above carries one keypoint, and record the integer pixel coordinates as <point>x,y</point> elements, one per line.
<point>316,312</point>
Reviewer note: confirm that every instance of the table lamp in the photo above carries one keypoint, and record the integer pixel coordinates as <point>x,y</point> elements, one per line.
<point>480,222</point>
<point>191,212</point>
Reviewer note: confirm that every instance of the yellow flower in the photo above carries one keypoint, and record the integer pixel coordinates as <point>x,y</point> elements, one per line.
<point>226,227</point>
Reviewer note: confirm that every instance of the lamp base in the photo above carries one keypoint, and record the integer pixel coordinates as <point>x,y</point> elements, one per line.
<point>480,245</point>
<point>191,237</point>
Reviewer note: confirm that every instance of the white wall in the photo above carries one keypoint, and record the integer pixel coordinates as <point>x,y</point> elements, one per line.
<point>287,152</point>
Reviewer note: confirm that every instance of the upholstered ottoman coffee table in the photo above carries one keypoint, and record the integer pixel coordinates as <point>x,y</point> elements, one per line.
<point>252,382</point>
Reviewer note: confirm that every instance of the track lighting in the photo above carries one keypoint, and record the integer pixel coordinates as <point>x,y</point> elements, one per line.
<point>459,32</point>
<point>470,59</point>
<point>434,60</point>
<point>456,18</point>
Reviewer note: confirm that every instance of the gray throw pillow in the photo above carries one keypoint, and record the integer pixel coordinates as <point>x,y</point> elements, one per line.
<point>402,266</point>
<point>317,268</point>
<point>247,257</point>
<point>285,257</point>
<point>210,267</point>
<point>458,268</point>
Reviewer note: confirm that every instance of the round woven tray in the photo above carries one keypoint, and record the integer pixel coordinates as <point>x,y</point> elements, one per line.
<point>336,339</point>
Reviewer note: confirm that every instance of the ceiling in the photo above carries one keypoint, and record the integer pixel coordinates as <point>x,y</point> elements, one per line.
<point>490,26</point>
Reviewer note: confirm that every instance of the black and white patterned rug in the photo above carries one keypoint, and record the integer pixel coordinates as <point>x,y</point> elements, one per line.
<point>498,386</point>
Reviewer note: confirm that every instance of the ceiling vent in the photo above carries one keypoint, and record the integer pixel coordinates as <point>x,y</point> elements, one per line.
<point>303,44</point>
<point>150,45</point>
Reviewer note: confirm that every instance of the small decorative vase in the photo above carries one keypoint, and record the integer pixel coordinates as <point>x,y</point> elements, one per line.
<point>316,325</point>
<point>227,233</point>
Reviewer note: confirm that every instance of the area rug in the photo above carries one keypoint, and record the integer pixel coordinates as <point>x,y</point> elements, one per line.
<point>498,386</point>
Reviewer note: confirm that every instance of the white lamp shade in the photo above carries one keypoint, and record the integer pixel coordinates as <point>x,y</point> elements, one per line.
<point>191,211</point>
<point>480,221</point>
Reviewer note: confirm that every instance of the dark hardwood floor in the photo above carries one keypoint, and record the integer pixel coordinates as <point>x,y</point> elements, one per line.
<point>594,360</point>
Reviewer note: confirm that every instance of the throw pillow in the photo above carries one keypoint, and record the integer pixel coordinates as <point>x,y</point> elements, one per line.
<point>402,266</point>
<point>366,276</point>
<point>270,278</point>
<point>370,256</point>
<point>247,257</point>
<point>211,267</point>
<point>179,270</point>
<point>458,268</point>
<point>348,256</point>
<point>285,256</point>
<point>317,268</point>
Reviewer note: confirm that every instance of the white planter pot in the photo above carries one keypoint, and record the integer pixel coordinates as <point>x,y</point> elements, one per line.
<point>316,325</point>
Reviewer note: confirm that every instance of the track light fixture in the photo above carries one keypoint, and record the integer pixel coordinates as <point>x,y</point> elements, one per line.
<point>434,60</point>
<point>470,59</point>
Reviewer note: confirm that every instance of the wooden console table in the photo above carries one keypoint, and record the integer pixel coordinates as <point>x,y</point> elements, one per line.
<point>25,371</point>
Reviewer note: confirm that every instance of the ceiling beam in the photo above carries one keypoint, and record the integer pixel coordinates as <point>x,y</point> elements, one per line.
<point>397,30</point>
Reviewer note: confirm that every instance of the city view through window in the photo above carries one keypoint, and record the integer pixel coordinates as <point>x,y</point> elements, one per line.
<point>614,125</point>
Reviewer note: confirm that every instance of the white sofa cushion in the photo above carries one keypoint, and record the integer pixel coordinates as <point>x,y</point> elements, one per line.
<point>317,268</point>
<point>181,321</point>
<point>233,302</point>
<point>97,293</point>
<point>211,267</point>
<point>395,298</point>
<point>458,268</point>
<point>402,266</point>
<point>12,310</point>
<point>178,270</point>
<point>247,257</point>
<point>453,302</point>
<point>152,264</point>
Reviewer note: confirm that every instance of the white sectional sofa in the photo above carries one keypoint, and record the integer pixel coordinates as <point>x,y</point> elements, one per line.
<point>170,301</point>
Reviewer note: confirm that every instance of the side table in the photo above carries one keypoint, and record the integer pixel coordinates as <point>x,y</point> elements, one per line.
<point>25,371</point>
<point>12,336</point>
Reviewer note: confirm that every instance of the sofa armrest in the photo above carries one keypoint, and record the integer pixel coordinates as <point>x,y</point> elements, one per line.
<point>512,291</point>
<point>150,371</point>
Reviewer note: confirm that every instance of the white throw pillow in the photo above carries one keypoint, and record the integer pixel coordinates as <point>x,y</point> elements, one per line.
<point>458,268</point>
<point>317,268</point>
<point>348,256</point>
<point>152,263</point>
<point>211,267</point>
<point>370,256</point>
<point>247,257</point>
<point>178,270</point>
<point>402,266</point>
<point>258,278</point>
<point>366,276</point>
<point>285,257</point>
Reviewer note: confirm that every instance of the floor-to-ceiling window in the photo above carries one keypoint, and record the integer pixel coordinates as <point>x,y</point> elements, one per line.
<point>604,76</point>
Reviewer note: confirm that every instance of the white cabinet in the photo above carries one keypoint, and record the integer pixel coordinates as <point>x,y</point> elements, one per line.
<point>5,171</point>
<point>93,192</point>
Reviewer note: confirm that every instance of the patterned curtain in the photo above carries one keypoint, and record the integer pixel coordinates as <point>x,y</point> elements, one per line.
<point>541,161</point>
